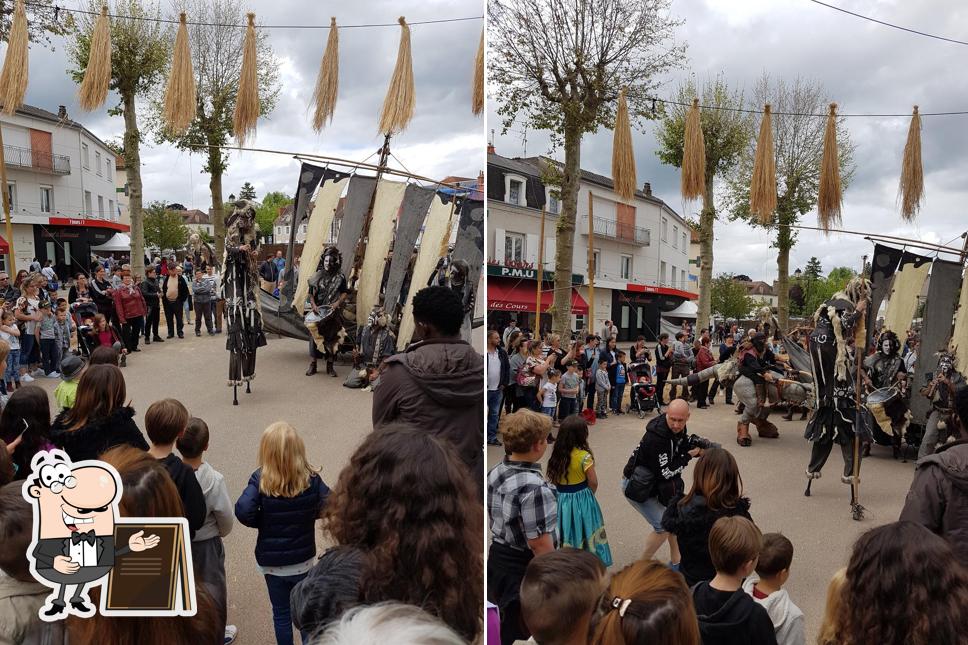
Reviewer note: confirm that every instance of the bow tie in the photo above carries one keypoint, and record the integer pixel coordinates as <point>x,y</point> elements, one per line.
<point>87,536</point>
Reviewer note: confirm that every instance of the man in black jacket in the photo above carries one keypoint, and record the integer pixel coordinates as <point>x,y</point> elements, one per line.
<point>151,291</point>
<point>664,452</point>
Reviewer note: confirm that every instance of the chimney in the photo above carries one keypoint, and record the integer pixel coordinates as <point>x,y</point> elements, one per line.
<point>61,111</point>
<point>490,149</point>
<point>480,182</point>
<point>647,189</point>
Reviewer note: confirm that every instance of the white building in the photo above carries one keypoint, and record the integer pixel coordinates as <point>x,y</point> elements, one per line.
<point>198,221</point>
<point>61,184</point>
<point>640,250</point>
<point>282,226</point>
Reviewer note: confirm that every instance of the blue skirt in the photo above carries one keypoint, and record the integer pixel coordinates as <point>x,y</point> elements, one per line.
<point>580,521</point>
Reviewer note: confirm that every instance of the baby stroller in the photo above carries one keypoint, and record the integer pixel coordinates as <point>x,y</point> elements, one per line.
<point>644,397</point>
<point>83,314</point>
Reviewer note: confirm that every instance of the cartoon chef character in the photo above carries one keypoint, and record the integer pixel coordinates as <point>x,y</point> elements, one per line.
<point>75,508</point>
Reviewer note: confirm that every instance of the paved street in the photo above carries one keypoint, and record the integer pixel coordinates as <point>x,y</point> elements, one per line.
<point>819,526</point>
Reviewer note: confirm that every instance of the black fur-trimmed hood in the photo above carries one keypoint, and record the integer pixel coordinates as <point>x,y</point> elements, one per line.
<point>696,515</point>
<point>97,435</point>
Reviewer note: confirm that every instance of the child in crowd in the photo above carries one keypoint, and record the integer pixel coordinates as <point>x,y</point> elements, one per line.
<point>283,499</point>
<point>558,595</point>
<point>208,552</point>
<point>621,378</point>
<point>165,421</point>
<point>766,587</point>
<point>47,339</point>
<point>830,627</point>
<point>602,388</point>
<point>523,515</point>
<point>572,470</point>
<point>64,331</point>
<point>20,595</point>
<point>569,390</point>
<point>548,393</point>
<point>726,613</point>
<point>104,335</point>
<point>10,333</point>
<point>66,392</point>
<point>646,602</point>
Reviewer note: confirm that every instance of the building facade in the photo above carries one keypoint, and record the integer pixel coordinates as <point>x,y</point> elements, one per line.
<point>639,251</point>
<point>61,182</point>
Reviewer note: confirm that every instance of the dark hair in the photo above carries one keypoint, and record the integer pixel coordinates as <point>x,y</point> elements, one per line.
<point>439,307</point>
<point>16,532</point>
<point>775,556</point>
<point>639,338</point>
<point>165,420</point>
<point>103,355</point>
<point>620,353</point>
<point>572,434</point>
<point>663,336</point>
<point>6,465</point>
<point>406,501</point>
<point>898,570</point>
<point>603,360</point>
<point>733,541</point>
<point>680,335</point>
<point>100,392</point>
<point>194,441</point>
<point>589,338</point>
<point>27,411</point>
<point>558,590</point>
<point>716,477</point>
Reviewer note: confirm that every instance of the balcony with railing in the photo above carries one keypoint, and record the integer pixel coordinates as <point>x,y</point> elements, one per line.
<point>37,160</point>
<point>619,231</point>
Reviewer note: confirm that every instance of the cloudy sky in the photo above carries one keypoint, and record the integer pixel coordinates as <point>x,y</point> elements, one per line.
<point>866,68</point>
<point>444,138</point>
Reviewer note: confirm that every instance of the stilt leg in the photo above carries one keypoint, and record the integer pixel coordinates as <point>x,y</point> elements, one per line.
<point>806,493</point>
<point>248,387</point>
<point>235,395</point>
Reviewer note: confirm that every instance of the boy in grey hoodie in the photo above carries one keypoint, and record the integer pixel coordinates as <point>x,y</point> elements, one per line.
<point>603,387</point>
<point>772,572</point>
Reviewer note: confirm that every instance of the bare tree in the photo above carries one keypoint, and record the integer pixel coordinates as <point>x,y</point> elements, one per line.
<point>798,148</point>
<point>559,66</point>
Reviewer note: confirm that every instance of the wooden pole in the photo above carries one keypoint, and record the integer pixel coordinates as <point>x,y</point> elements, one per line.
<point>12,268</point>
<point>857,510</point>
<point>591,266</point>
<point>540,277</point>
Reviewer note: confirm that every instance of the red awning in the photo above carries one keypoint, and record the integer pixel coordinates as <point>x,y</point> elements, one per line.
<point>4,247</point>
<point>521,296</point>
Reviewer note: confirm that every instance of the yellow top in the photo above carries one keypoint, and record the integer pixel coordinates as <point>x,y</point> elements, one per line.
<point>580,462</point>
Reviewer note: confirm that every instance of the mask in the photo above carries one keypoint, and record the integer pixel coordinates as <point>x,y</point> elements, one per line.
<point>886,347</point>
<point>327,262</point>
<point>945,367</point>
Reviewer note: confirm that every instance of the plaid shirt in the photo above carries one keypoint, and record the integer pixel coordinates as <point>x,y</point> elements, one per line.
<point>521,504</point>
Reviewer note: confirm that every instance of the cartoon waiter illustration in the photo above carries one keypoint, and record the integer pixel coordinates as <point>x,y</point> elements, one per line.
<point>75,511</point>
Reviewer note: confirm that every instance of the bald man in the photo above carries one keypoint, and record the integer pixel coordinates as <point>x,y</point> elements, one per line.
<point>659,460</point>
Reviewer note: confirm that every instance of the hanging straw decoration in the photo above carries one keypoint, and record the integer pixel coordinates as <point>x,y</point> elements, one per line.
<point>179,108</point>
<point>399,101</point>
<point>912,172</point>
<point>830,198</point>
<point>478,97</point>
<point>327,83</point>
<point>763,186</point>
<point>693,156</point>
<point>247,101</point>
<point>13,78</point>
<point>623,158</point>
<point>94,88</point>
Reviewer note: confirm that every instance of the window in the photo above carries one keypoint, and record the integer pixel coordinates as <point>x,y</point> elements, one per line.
<point>51,251</point>
<point>97,162</point>
<point>515,189</point>
<point>662,273</point>
<point>67,253</point>
<point>100,207</point>
<point>626,267</point>
<point>88,208</point>
<point>46,199</point>
<point>112,214</point>
<point>85,157</point>
<point>596,262</point>
<point>12,195</point>
<point>514,194</point>
<point>684,247</point>
<point>109,168</point>
<point>675,237</point>
<point>513,247</point>
<point>682,279</point>
<point>554,202</point>
<point>665,230</point>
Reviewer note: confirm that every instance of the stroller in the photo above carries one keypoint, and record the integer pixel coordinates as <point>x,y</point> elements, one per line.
<point>644,397</point>
<point>83,314</point>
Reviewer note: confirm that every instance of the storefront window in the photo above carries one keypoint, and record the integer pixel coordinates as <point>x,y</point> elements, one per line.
<point>513,247</point>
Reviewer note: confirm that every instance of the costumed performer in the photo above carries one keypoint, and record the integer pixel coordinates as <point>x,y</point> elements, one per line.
<point>327,295</point>
<point>240,282</point>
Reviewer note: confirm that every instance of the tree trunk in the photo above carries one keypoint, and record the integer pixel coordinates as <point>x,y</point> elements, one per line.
<point>218,204</point>
<point>132,162</point>
<point>565,234</point>
<point>784,242</point>
<point>707,219</point>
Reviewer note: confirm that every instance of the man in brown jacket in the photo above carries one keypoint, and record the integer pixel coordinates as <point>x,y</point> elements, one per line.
<point>437,383</point>
<point>938,498</point>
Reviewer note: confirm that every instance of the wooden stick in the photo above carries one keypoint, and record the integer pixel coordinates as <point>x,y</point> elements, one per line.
<point>540,276</point>
<point>591,265</point>
<point>12,265</point>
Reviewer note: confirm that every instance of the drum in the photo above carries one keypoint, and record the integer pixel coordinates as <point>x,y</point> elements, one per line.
<point>887,407</point>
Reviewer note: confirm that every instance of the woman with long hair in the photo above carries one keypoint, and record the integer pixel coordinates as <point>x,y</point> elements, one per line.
<point>406,506</point>
<point>148,491</point>
<point>517,355</point>
<point>904,587</point>
<point>26,415</point>
<point>717,491</point>
<point>283,499</point>
<point>646,602</point>
<point>100,418</point>
<point>571,469</point>
<point>530,374</point>
<point>27,313</point>
<point>19,280</point>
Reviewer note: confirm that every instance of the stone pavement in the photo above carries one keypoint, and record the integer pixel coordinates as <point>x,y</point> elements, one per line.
<point>819,526</point>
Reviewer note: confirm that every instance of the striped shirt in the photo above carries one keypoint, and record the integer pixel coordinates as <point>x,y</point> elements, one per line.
<point>521,504</point>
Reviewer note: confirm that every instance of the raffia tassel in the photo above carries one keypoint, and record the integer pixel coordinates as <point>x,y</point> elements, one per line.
<point>399,102</point>
<point>763,185</point>
<point>327,83</point>
<point>94,88</point>
<point>247,101</point>
<point>693,155</point>
<point>13,78</point>
<point>478,89</point>
<point>179,108</point>
<point>623,157</point>
<point>830,196</point>
<point>912,172</point>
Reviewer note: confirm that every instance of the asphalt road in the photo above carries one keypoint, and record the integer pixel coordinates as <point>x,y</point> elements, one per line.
<point>819,526</point>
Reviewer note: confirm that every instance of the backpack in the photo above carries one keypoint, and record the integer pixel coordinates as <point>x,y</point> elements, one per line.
<point>525,377</point>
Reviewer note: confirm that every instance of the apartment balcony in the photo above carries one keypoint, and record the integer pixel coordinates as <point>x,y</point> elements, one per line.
<point>37,161</point>
<point>613,230</point>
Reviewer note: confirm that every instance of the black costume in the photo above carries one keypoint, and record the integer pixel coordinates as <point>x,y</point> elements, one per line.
<point>240,285</point>
<point>885,368</point>
<point>325,323</point>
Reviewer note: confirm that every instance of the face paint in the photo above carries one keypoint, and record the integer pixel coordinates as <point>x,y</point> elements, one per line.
<point>886,347</point>
<point>327,262</point>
